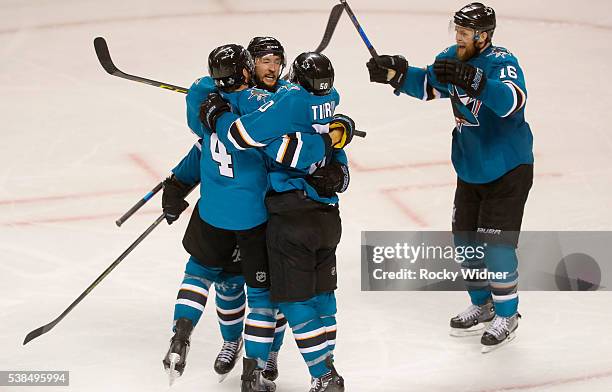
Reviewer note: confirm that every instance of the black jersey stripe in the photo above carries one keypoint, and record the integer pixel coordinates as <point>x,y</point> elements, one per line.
<point>313,341</point>
<point>290,150</point>
<point>258,331</point>
<point>192,296</point>
<point>237,136</point>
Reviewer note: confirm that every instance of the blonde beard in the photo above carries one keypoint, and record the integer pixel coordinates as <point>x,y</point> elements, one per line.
<point>468,53</point>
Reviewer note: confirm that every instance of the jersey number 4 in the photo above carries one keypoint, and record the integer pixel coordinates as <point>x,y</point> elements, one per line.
<point>220,155</point>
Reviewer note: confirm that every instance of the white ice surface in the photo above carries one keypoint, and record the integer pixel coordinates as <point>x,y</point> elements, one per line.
<point>78,147</point>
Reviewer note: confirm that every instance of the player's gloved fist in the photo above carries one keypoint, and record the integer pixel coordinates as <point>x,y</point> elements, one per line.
<point>329,179</point>
<point>173,198</point>
<point>342,130</point>
<point>389,69</point>
<point>471,79</point>
<point>211,109</point>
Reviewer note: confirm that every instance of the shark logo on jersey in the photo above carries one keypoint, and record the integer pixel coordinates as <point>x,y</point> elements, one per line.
<point>465,109</point>
<point>499,52</point>
<point>258,94</point>
<point>288,87</point>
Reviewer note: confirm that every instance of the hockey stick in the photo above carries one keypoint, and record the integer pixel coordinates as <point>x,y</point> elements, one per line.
<point>362,33</point>
<point>139,204</point>
<point>332,22</point>
<point>47,327</point>
<point>107,63</point>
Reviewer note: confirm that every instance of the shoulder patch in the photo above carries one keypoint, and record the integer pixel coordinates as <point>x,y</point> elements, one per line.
<point>258,94</point>
<point>288,87</point>
<point>500,52</point>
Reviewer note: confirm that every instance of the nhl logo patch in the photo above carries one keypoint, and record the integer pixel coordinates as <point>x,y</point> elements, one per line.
<point>261,276</point>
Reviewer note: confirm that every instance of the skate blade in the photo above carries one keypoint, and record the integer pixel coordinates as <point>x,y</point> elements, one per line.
<point>488,349</point>
<point>222,377</point>
<point>173,374</point>
<point>472,331</point>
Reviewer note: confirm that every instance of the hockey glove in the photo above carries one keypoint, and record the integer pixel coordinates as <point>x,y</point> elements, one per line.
<point>173,198</point>
<point>346,125</point>
<point>330,179</point>
<point>380,72</point>
<point>211,109</point>
<point>471,79</point>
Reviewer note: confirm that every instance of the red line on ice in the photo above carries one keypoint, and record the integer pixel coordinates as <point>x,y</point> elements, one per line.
<point>417,165</point>
<point>198,13</point>
<point>76,218</point>
<point>28,200</point>
<point>391,194</point>
<point>144,165</point>
<point>563,381</point>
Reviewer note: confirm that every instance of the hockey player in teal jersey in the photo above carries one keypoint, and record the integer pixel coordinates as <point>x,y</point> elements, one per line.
<point>302,259</point>
<point>492,155</point>
<point>231,211</point>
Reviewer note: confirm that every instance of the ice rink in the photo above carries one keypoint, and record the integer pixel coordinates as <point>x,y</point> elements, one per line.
<point>79,147</point>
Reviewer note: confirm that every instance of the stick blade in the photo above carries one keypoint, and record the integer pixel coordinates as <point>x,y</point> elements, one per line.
<point>37,332</point>
<point>332,22</point>
<point>104,55</point>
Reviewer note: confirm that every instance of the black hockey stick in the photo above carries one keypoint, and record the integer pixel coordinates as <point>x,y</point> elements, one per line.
<point>47,327</point>
<point>107,63</point>
<point>332,22</point>
<point>139,204</point>
<point>362,33</point>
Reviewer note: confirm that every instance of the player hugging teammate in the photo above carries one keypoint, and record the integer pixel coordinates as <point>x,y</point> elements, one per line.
<point>492,155</point>
<point>254,143</point>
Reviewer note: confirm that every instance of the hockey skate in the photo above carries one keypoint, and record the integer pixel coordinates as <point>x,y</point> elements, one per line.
<point>499,333</point>
<point>227,358</point>
<point>471,321</point>
<point>252,378</point>
<point>175,359</point>
<point>329,382</point>
<point>270,372</point>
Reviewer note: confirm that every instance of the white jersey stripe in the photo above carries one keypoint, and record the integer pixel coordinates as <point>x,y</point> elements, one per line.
<point>314,348</point>
<point>193,287</point>
<point>310,334</point>
<point>190,303</point>
<point>231,311</point>
<point>296,154</point>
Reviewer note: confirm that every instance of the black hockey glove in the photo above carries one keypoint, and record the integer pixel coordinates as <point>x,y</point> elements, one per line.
<point>211,109</point>
<point>471,79</point>
<point>345,124</point>
<point>173,198</point>
<point>330,179</point>
<point>379,72</point>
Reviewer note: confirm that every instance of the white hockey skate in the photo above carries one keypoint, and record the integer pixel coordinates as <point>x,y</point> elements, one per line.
<point>472,320</point>
<point>499,333</point>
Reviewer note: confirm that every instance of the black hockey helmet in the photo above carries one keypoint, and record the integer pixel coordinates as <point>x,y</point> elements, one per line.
<point>314,72</point>
<point>476,16</point>
<point>261,46</point>
<point>225,65</point>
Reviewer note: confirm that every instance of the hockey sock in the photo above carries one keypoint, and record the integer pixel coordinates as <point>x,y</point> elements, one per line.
<point>502,258</point>
<point>259,326</point>
<point>279,332</point>
<point>326,307</point>
<point>193,293</point>
<point>477,288</point>
<point>309,333</point>
<point>231,303</point>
